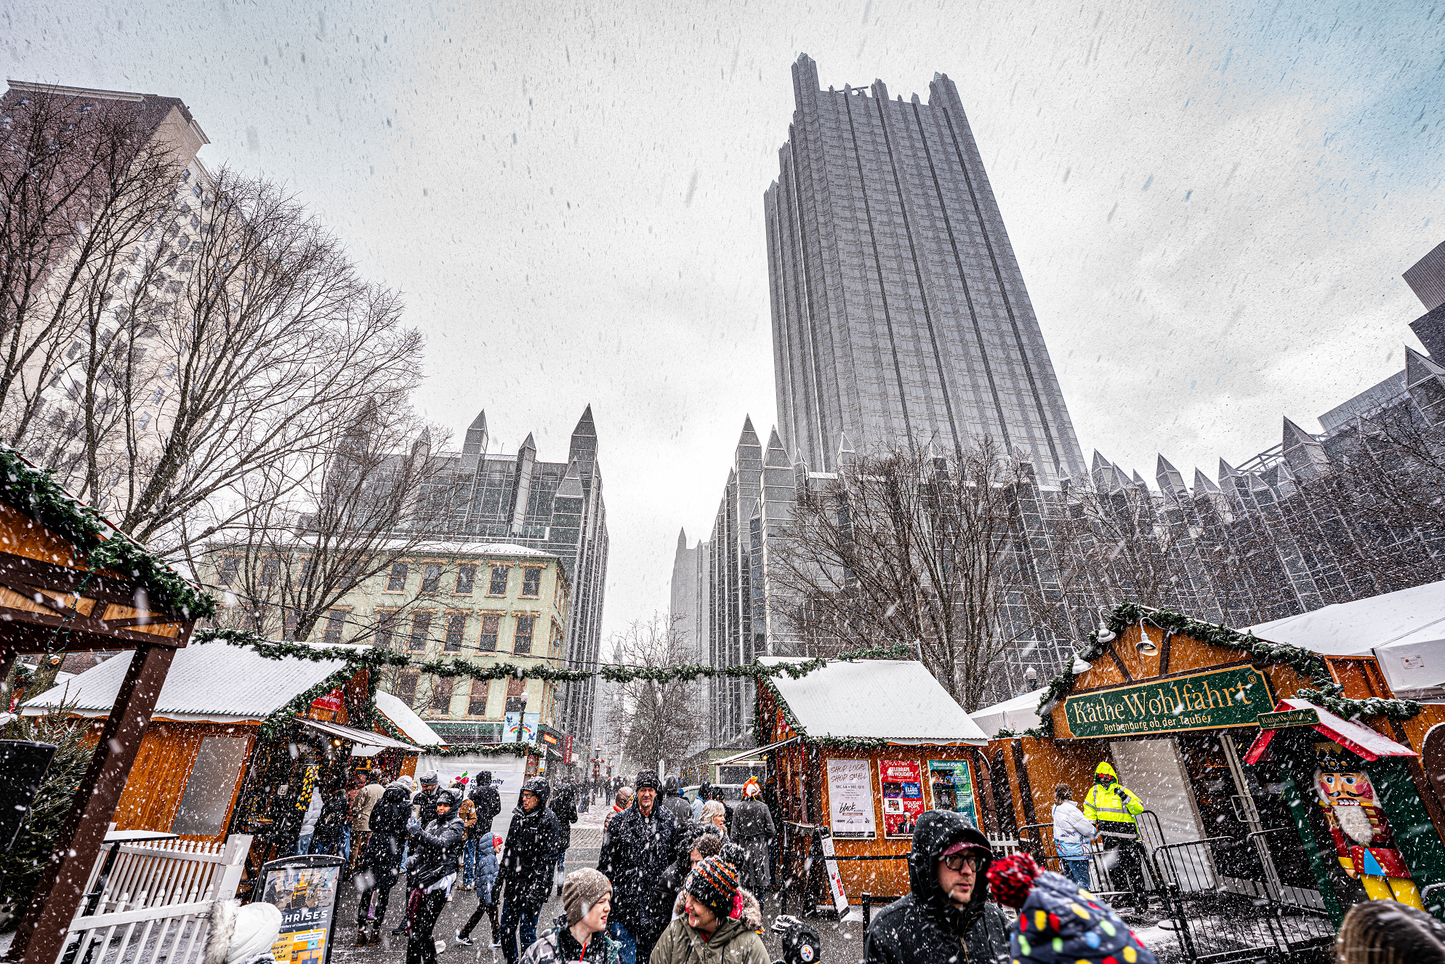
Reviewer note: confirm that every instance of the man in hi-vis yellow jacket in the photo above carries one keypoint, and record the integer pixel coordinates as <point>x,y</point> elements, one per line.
<point>1113,807</point>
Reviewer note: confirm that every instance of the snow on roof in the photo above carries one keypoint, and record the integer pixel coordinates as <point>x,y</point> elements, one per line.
<point>207,681</point>
<point>412,726</point>
<point>450,547</point>
<point>894,700</point>
<point>1019,713</point>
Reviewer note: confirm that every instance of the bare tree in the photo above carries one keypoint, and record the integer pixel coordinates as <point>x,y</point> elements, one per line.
<point>909,549</point>
<point>243,348</point>
<point>81,182</point>
<point>656,720</point>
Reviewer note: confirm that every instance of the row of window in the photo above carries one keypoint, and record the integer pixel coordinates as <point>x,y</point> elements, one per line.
<point>431,578</point>
<point>443,687</point>
<point>391,633</point>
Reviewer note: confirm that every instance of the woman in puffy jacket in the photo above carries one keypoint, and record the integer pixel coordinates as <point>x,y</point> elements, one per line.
<point>431,870</point>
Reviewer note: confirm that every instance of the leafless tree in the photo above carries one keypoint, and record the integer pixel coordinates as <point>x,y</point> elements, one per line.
<point>910,549</point>
<point>655,720</point>
<point>81,183</point>
<point>241,351</point>
<point>302,547</point>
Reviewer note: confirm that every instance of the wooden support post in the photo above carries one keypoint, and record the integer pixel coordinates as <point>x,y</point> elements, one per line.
<point>60,891</point>
<point>7,663</point>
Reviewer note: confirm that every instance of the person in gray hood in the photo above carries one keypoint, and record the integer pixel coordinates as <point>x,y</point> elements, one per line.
<point>947,917</point>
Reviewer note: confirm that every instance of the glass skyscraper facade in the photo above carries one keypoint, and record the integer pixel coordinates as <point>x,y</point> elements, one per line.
<point>900,316</point>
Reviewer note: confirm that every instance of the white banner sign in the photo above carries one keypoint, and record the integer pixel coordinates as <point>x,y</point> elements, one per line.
<point>850,799</point>
<point>835,879</point>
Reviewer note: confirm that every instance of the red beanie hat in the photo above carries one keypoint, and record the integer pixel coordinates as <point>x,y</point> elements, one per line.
<point>1011,879</point>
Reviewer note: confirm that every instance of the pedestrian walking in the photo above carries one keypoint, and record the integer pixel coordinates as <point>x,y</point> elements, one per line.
<point>698,800</point>
<point>1073,835</point>
<point>426,797</point>
<point>1389,932</point>
<point>564,805</point>
<point>620,802</point>
<point>715,814</point>
<point>361,807</point>
<point>947,908</point>
<point>672,800</point>
<point>431,869</point>
<point>486,888</point>
<point>636,850</point>
<point>1112,808</point>
<point>580,935</point>
<point>467,811</point>
<point>714,927</point>
<point>381,861</point>
<point>753,830</point>
<point>330,834</point>
<point>1059,922</point>
<point>525,876</point>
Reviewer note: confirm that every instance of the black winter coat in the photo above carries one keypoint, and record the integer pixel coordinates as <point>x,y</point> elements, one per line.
<point>488,803</point>
<point>435,849</point>
<point>382,856</point>
<point>636,850</point>
<point>564,805</point>
<point>529,858</point>
<point>924,927</point>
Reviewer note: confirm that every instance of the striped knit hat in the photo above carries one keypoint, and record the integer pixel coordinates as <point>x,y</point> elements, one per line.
<point>714,884</point>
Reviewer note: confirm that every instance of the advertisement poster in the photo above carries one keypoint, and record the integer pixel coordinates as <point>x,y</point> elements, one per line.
<point>521,728</point>
<point>835,879</point>
<point>902,784</point>
<point>306,897</point>
<point>850,799</point>
<point>953,788</point>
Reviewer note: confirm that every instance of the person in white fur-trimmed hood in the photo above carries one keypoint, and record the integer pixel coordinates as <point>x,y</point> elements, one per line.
<point>242,935</point>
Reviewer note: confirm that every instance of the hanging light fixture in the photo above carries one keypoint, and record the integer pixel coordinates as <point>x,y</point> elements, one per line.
<point>1104,633</point>
<point>1146,645</point>
<point>1081,665</point>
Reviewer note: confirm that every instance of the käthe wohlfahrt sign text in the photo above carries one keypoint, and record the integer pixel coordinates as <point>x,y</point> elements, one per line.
<point>1233,696</point>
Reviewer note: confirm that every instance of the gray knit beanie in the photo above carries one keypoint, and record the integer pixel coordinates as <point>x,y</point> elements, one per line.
<point>581,890</point>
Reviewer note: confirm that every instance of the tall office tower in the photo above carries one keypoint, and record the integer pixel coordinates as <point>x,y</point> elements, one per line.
<point>900,315</point>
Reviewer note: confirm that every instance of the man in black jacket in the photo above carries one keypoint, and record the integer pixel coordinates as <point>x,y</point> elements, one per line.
<point>947,918</point>
<point>525,877</point>
<point>636,850</point>
<point>564,805</point>
<point>381,861</point>
<point>487,801</point>
<point>431,869</point>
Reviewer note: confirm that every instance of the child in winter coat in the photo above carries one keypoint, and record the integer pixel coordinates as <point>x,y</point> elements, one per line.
<point>1060,923</point>
<point>486,878</point>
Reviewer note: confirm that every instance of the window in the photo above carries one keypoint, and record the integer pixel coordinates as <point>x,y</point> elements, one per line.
<point>466,577</point>
<point>142,422</point>
<point>522,639</point>
<point>212,782</point>
<point>441,694</point>
<point>431,579</point>
<point>406,686</point>
<point>385,627</point>
<point>498,586</point>
<point>156,395</point>
<point>477,702</point>
<point>456,625</point>
<point>396,582</point>
<point>334,621</point>
<point>229,566</point>
<point>491,625</point>
<point>268,572</point>
<point>420,629</point>
<point>532,582</point>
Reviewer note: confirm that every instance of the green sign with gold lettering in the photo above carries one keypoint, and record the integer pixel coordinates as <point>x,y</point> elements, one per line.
<point>1234,696</point>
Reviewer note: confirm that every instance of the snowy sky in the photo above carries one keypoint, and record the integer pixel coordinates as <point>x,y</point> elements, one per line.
<point>1212,202</point>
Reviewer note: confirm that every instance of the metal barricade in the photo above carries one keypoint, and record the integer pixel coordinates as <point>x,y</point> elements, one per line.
<point>1217,916</point>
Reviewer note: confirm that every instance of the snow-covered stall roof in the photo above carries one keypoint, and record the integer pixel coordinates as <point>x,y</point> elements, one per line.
<point>1405,630</point>
<point>207,681</point>
<point>413,727</point>
<point>1018,714</point>
<point>894,700</point>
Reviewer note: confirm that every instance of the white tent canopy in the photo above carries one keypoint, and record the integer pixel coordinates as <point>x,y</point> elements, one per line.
<point>1018,714</point>
<point>1404,630</point>
<point>413,727</point>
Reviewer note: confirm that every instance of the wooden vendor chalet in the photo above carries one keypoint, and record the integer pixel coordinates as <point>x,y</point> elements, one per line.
<point>1281,782</point>
<point>237,740</point>
<point>69,583</point>
<point>856,751</point>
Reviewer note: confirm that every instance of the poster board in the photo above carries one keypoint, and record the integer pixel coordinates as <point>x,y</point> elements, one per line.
<point>901,782</point>
<point>830,864</point>
<point>953,788</point>
<point>850,800</point>
<point>304,889</point>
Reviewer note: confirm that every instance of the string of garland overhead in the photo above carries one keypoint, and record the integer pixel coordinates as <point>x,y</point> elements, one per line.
<point>34,492</point>
<point>456,667</point>
<point>1325,693</point>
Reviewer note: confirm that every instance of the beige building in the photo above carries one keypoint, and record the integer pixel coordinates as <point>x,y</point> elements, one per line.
<point>485,603</point>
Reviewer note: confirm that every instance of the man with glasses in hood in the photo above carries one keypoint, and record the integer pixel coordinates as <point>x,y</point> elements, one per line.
<point>947,917</point>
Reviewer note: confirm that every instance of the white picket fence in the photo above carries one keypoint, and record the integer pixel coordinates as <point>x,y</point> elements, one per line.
<point>156,901</point>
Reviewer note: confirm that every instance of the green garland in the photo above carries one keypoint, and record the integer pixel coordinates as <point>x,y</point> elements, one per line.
<point>1325,693</point>
<point>35,493</point>
<point>486,749</point>
<point>275,724</point>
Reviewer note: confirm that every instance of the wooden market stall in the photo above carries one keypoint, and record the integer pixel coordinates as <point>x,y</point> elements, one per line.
<point>856,751</point>
<point>237,740</point>
<point>1256,761</point>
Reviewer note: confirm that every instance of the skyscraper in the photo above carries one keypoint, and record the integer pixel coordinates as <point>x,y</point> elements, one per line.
<point>900,316</point>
